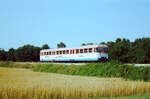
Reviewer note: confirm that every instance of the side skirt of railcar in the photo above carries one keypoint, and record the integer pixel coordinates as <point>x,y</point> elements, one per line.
<point>103,59</point>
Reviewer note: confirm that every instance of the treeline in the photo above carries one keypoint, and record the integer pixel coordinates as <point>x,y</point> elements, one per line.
<point>122,50</point>
<point>25,53</point>
<point>130,52</point>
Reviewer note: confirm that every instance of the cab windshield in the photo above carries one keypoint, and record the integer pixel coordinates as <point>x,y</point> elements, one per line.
<point>100,50</point>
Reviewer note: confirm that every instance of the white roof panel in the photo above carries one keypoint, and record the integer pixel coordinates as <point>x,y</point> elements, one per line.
<point>75,47</point>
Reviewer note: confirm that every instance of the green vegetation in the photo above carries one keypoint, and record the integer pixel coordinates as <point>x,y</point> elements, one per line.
<point>130,52</point>
<point>144,96</point>
<point>10,55</point>
<point>61,45</point>
<point>45,46</point>
<point>2,55</point>
<point>22,54</point>
<point>27,53</point>
<point>108,69</point>
<point>17,65</point>
<point>85,44</point>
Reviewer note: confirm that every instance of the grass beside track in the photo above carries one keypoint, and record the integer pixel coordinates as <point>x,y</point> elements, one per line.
<point>108,69</point>
<point>26,84</point>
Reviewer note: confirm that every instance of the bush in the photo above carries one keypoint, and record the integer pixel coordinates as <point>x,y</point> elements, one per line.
<point>108,69</point>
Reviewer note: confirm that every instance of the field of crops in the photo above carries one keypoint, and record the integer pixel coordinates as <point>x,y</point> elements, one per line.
<point>26,84</point>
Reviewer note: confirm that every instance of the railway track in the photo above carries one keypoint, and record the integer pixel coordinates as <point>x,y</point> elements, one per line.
<point>138,65</point>
<point>72,63</point>
<point>51,63</point>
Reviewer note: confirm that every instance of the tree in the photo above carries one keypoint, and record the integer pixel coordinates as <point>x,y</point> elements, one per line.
<point>119,50</point>
<point>27,53</point>
<point>103,43</point>
<point>118,40</point>
<point>45,46</point>
<point>61,45</point>
<point>89,44</point>
<point>2,55</point>
<point>141,50</point>
<point>11,55</point>
<point>83,44</point>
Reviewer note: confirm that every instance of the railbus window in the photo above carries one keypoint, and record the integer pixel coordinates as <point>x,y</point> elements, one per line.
<point>99,50</point>
<point>85,50</point>
<point>70,51</point>
<point>44,53</point>
<point>81,50</point>
<point>77,51</point>
<point>67,52</point>
<point>49,53</point>
<point>57,52</point>
<point>106,50</point>
<point>60,52</point>
<point>90,50</point>
<point>64,52</point>
<point>95,50</point>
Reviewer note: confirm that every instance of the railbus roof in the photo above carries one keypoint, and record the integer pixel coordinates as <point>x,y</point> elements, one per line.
<point>88,46</point>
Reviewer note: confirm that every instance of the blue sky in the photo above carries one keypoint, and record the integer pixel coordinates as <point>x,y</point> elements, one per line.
<point>74,22</point>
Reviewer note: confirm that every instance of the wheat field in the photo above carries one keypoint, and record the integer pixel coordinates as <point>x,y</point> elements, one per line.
<point>26,84</point>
